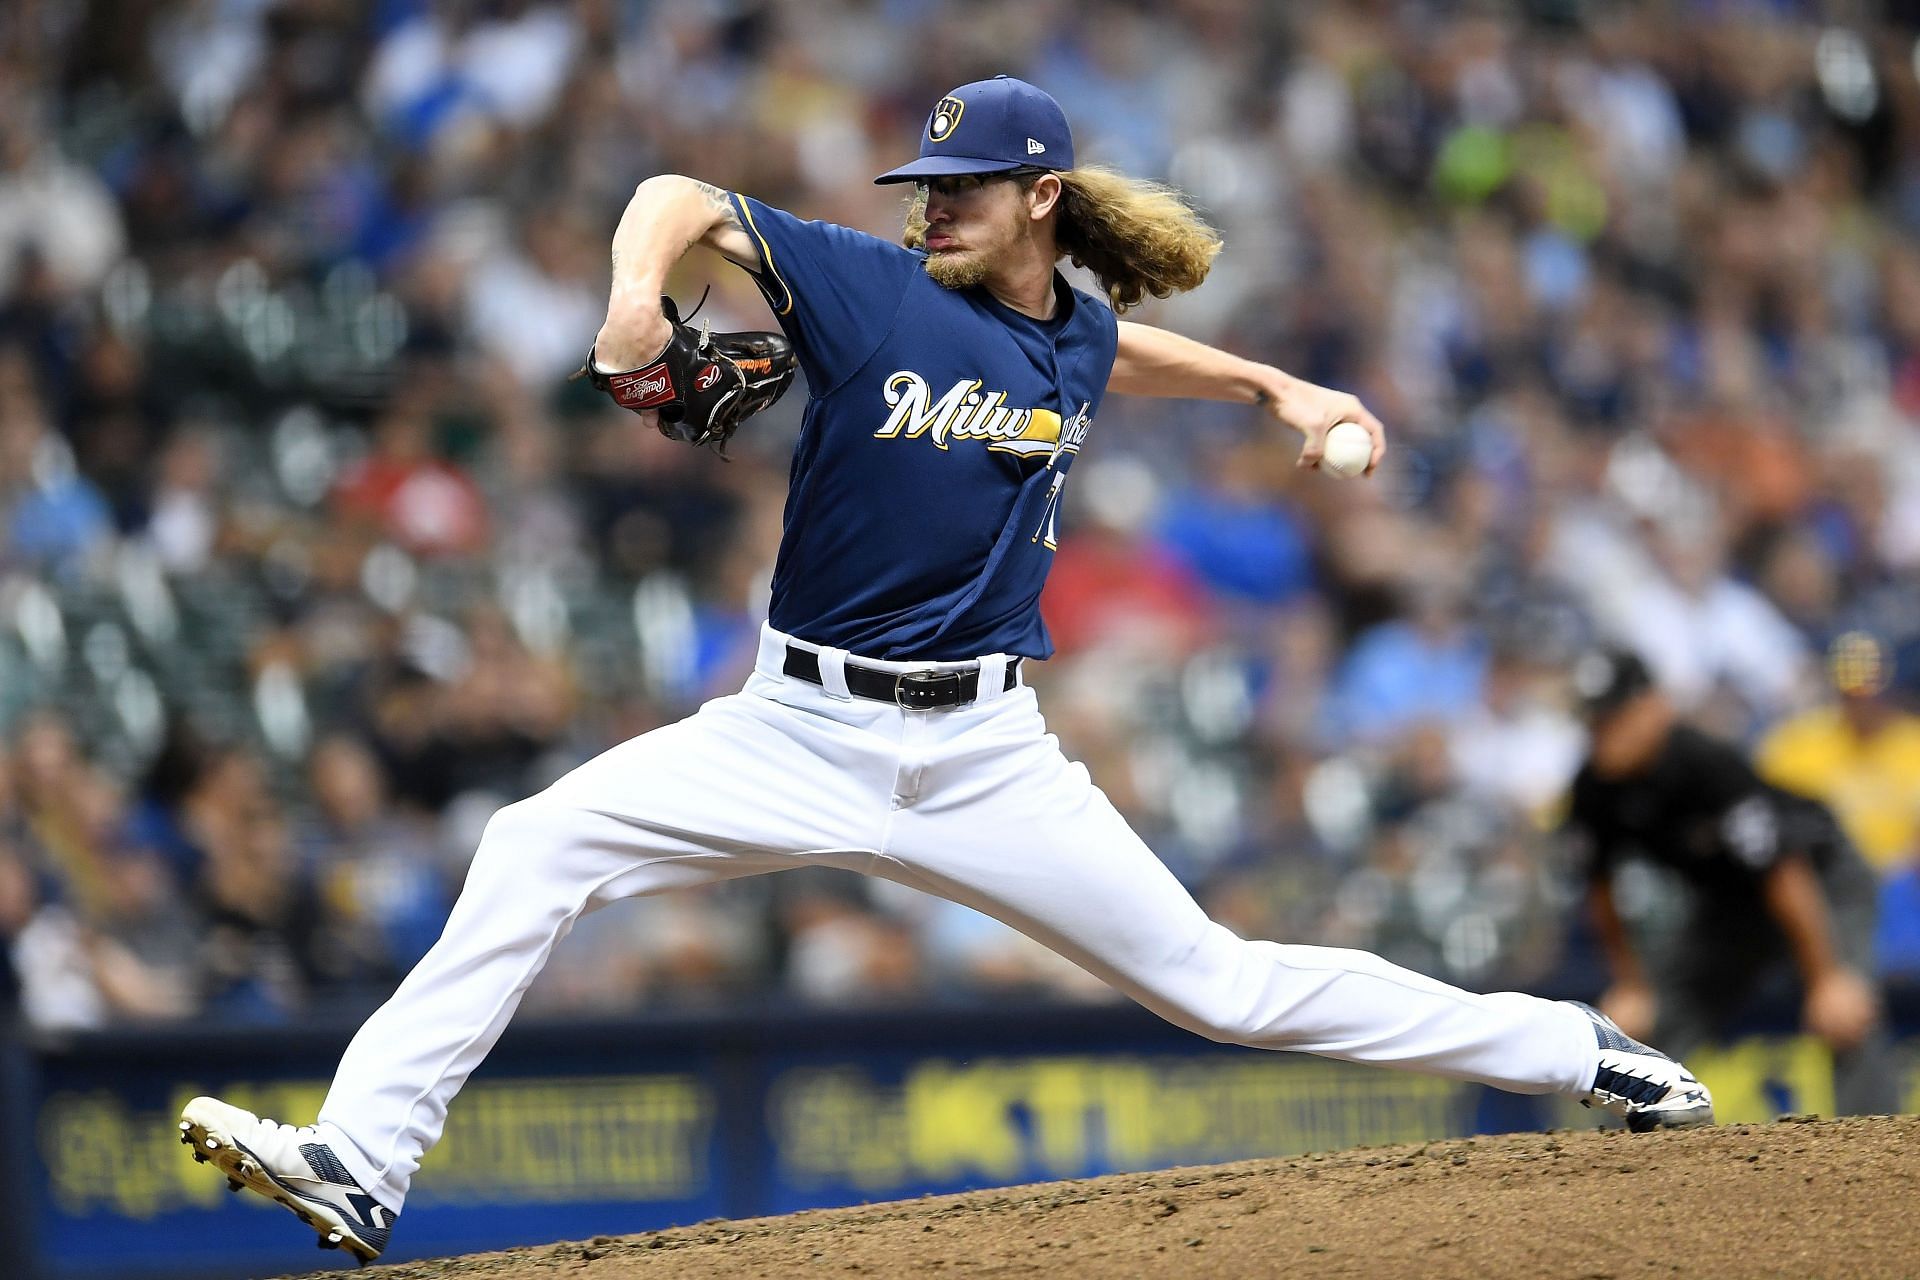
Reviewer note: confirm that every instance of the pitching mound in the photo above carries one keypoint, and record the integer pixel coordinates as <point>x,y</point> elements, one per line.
<point>1798,1198</point>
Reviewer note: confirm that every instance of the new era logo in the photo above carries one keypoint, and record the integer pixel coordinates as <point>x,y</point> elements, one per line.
<point>1035,146</point>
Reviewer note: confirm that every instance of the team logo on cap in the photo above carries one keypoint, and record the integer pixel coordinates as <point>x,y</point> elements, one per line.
<point>945,118</point>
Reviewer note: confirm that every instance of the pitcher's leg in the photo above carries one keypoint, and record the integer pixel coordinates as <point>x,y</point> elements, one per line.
<point>1037,846</point>
<point>671,809</point>
<point>1135,932</point>
<point>538,867</point>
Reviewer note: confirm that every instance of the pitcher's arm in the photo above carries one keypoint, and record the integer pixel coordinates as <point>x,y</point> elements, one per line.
<point>667,216</point>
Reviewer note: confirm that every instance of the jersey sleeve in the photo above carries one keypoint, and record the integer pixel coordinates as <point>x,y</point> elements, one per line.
<point>834,290</point>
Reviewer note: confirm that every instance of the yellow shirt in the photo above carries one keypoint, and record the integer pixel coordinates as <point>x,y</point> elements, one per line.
<point>1871,784</point>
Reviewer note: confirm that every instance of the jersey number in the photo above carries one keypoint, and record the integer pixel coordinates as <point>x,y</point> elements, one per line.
<point>1047,533</point>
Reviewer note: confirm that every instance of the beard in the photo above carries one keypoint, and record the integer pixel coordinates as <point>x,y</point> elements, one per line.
<point>957,270</point>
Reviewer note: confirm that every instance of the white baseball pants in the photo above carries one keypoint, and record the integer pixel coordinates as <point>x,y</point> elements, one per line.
<point>976,804</point>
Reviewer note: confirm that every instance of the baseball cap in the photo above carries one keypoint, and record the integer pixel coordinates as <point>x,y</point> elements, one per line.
<point>990,126</point>
<point>1604,680</point>
<point>1857,664</point>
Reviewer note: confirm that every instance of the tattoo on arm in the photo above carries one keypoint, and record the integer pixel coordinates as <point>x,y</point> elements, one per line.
<point>722,205</point>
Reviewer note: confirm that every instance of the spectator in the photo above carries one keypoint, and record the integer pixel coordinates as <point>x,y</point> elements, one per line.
<point>1516,749</point>
<point>287,295</point>
<point>184,518</point>
<point>16,912</point>
<point>377,869</point>
<point>1431,666</point>
<point>408,492</point>
<point>264,949</point>
<point>52,211</point>
<point>1858,754</point>
<point>52,519</point>
<point>536,306</point>
<point>1236,533</point>
<point>1111,584</point>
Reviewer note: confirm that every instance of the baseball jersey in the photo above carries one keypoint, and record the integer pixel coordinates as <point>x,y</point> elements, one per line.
<point>924,497</point>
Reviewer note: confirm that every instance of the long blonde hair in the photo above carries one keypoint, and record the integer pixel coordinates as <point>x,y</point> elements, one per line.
<point>1136,237</point>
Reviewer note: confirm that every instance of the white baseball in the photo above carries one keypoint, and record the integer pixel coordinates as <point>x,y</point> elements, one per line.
<point>1348,449</point>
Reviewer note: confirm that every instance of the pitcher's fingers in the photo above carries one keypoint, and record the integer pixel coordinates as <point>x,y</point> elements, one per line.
<point>1313,444</point>
<point>1378,431</point>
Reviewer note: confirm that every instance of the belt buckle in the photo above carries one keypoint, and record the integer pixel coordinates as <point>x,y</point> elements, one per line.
<point>921,690</point>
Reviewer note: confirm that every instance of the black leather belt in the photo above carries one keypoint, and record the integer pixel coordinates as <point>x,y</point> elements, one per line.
<point>913,690</point>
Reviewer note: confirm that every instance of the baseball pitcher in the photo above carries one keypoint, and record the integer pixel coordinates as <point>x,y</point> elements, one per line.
<point>887,727</point>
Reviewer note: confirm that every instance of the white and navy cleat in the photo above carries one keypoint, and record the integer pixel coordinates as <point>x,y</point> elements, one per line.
<point>294,1166</point>
<point>1640,1084</point>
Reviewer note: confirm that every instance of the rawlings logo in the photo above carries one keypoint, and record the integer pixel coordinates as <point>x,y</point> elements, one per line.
<point>644,389</point>
<point>707,377</point>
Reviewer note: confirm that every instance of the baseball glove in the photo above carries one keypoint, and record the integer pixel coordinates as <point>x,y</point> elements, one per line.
<point>705,384</point>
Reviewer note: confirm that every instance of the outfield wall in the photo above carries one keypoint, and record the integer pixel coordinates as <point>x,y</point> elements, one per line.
<point>571,1131</point>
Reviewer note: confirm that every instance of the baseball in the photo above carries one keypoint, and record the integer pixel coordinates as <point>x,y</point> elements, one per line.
<point>1348,449</point>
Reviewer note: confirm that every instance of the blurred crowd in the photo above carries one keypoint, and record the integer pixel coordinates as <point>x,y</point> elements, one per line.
<point>310,556</point>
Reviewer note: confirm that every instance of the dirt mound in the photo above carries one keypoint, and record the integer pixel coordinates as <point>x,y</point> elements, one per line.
<point>1798,1198</point>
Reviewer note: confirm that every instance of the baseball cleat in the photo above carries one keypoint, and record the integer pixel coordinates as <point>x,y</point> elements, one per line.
<point>296,1167</point>
<point>1640,1084</point>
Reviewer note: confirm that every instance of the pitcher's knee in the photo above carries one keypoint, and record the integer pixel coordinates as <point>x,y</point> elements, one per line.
<point>1231,1026</point>
<point>515,824</point>
<point>1205,1014</point>
<point>521,843</point>
<point>1203,1009</point>
<point>1227,991</point>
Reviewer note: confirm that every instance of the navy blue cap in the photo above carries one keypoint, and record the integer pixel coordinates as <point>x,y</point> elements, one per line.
<point>990,126</point>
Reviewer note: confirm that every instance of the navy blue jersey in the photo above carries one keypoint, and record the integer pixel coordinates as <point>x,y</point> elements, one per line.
<point>939,427</point>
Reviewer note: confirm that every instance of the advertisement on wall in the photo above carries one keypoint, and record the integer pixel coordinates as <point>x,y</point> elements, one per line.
<point>564,1137</point>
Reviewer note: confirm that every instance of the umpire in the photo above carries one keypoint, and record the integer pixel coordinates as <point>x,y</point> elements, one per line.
<point>1775,890</point>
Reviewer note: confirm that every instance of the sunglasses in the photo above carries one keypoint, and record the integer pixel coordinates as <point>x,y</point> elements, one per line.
<point>960,185</point>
